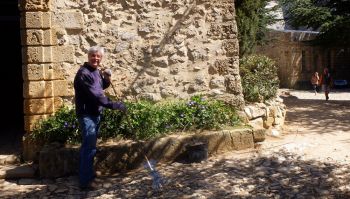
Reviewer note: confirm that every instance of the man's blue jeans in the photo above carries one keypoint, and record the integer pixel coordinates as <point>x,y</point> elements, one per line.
<point>89,126</point>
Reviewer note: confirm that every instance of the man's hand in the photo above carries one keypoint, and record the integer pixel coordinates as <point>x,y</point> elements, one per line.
<point>107,73</point>
<point>123,108</point>
<point>120,106</point>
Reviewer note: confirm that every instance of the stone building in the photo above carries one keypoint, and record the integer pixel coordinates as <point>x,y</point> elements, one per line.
<point>295,56</point>
<point>298,59</point>
<point>157,49</point>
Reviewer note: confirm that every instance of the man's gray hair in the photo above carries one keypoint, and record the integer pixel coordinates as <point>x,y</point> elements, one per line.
<point>97,49</point>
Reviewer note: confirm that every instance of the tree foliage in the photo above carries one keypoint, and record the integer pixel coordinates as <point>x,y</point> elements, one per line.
<point>330,17</point>
<point>252,20</point>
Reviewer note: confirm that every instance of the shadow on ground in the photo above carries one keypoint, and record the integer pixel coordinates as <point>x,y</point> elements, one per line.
<point>318,115</point>
<point>280,176</point>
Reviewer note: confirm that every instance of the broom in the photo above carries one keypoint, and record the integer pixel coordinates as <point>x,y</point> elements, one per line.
<point>157,180</point>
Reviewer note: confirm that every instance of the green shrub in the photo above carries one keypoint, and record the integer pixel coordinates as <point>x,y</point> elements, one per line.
<point>144,120</point>
<point>259,78</point>
<point>61,127</point>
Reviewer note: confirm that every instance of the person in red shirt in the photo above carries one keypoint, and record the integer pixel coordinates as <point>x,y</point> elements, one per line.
<point>326,82</point>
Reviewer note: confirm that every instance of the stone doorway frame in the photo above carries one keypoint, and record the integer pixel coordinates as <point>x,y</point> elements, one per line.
<point>43,82</point>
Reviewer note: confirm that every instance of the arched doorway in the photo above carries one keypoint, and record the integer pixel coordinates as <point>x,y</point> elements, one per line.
<point>11,80</point>
<point>342,63</point>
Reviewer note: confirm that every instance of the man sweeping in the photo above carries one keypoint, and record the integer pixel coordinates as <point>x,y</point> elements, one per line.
<point>89,85</point>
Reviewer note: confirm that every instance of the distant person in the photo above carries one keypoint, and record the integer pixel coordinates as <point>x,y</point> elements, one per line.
<point>326,81</point>
<point>315,80</point>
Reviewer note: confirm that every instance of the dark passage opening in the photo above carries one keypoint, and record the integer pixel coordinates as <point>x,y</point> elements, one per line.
<point>11,81</point>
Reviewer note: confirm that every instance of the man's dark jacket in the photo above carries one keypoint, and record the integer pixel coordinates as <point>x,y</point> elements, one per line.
<point>89,95</point>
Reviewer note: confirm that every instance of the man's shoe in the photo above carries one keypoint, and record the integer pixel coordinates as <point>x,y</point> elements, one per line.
<point>97,174</point>
<point>90,187</point>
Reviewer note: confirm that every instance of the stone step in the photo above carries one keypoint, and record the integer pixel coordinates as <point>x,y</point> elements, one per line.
<point>9,159</point>
<point>14,172</point>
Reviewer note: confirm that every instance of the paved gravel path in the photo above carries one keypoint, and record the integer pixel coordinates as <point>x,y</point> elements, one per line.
<point>309,160</point>
<point>321,128</point>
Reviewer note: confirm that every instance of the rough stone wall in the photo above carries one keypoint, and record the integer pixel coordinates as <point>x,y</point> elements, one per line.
<point>286,49</point>
<point>269,115</point>
<point>157,49</point>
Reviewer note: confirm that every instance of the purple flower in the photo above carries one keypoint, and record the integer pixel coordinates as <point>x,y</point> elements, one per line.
<point>191,103</point>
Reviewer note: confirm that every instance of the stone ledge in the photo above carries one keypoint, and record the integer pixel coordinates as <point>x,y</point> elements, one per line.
<point>112,158</point>
<point>9,159</point>
<point>15,172</point>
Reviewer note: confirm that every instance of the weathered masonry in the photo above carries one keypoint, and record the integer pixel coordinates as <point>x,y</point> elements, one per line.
<point>156,49</point>
<point>298,60</point>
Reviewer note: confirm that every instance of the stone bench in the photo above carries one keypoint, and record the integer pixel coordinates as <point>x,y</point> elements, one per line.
<point>115,157</point>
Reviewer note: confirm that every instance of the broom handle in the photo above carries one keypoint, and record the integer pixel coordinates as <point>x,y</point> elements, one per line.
<point>126,115</point>
<point>149,164</point>
<point>129,123</point>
